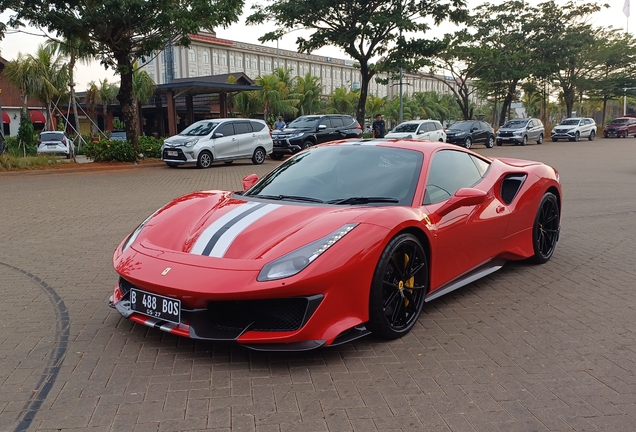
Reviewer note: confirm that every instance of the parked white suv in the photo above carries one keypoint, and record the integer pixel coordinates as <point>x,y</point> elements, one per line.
<point>429,130</point>
<point>54,142</point>
<point>226,140</point>
<point>574,128</point>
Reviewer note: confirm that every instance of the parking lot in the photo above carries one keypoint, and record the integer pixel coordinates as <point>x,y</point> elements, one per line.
<point>529,348</point>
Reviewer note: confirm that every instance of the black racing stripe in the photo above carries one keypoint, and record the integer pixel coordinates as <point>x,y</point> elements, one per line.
<point>217,235</point>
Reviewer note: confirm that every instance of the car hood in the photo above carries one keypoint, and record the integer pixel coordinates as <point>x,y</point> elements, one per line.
<point>566,126</point>
<point>215,224</point>
<point>289,131</point>
<point>178,140</point>
<point>511,129</point>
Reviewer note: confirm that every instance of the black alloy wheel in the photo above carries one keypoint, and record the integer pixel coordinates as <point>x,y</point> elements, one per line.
<point>306,145</point>
<point>468,142</point>
<point>277,156</point>
<point>205,159</point>
<point>545,231</point>
<point>399,287</point>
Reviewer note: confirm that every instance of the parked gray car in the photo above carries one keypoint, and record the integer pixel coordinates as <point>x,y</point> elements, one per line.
<point>520,131</point>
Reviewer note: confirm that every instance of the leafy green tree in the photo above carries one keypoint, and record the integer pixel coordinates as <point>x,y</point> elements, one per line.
<point>246,103</point>
<point>308,90</point>
<point>342,101</point>
<point>26,132</point>
<point>18,73</point>
<point>49,78</point>
<point>119,32</point>
<point>107,95</point>
<point>91,98</point>
<point>365,30</point>
<point>375,105</point>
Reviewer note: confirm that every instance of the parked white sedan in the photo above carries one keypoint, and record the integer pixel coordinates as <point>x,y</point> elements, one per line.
<point>425,130</point>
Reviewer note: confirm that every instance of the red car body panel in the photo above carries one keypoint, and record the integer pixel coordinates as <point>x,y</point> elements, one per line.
<point>160,261</point>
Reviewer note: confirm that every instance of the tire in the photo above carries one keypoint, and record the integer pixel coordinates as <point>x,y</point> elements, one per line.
<point>68,156</point>
<point>499,143</point>
<point>205,159</point>
<point>491,142</point>
<point>545,231</point>
<point>540,140</point>
<point>555,139</point>
<point>626,135</point>
<point>468,142</point>
<point>306,145</point>
<point>172,164</point>
<point>259,156</point>
<point>397,292</point>
<point>524,141</point>
<point>577,137</point>
<point>592,134</point>
<point>277,156</point>
<point>228,162</point>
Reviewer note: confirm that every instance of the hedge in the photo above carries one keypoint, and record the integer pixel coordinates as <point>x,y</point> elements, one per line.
<point>122,151</point>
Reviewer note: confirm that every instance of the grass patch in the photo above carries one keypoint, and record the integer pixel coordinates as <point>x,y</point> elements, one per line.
<point>10,162</point>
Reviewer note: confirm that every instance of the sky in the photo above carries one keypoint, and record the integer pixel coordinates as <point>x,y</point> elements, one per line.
<point>28,40</point>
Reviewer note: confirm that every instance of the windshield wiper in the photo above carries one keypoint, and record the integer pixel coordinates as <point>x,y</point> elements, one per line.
<point>289,197</point>
<point>363,200</point>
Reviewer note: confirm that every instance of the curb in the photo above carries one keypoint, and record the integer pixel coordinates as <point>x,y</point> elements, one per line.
<point>86,167</point>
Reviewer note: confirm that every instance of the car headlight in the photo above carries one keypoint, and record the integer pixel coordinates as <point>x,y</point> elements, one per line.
<point>517,132</point>
<point>296,135</point>
<point>133,236</point>
<point>191,142</point>
<point>294,262</point>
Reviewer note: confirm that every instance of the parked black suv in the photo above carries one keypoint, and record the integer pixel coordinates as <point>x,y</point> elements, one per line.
<point>309,130</point>
<point>468,132</point>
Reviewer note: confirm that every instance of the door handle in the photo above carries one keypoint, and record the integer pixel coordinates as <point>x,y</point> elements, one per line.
<point>500,209</point>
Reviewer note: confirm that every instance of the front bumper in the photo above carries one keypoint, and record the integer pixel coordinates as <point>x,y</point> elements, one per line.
<point>563,135</point>
<point>287,146</point>
<point>510,139</point>
<point>179,155</point>
<point>613,133</point>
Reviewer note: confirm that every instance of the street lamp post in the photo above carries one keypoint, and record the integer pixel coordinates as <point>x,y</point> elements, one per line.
<point>625,98</point>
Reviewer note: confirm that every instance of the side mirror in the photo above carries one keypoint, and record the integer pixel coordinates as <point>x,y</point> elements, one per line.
<point>217,135</point>
<point>248,181</point>
<point>420,132</point>
<point>322,127</point>
<point>464,197</point>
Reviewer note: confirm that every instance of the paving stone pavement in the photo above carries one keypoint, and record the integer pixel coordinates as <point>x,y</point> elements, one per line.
<point>529,348</point>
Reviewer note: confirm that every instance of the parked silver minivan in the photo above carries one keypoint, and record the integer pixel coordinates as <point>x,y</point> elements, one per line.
<point>209,141</point>
<point>520,131</point>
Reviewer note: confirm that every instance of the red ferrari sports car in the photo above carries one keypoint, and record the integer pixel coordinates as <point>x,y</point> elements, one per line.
<point>339,241</point>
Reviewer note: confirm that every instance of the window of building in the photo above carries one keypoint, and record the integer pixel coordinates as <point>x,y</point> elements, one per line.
<point>192,56</point>
<point>215,57</point>
<point>206,57</point>
<point>223,59</point>
<point>232,60</point>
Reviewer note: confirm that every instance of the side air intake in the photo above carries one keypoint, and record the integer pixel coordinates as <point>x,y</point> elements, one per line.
<point>510,186</point>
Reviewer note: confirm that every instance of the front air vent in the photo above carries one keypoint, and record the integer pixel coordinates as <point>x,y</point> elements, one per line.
<point>510,186</point>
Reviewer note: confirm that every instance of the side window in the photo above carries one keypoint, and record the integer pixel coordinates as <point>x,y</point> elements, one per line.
<point>257,126</point>
<point>242,127</point>
<point>484,126</point>
<point>449,171</point>
<point>438,126</point>
<point>531,123</point>
<point>336,122</point>
<point>430,127</point>
<point>227,129</point>
<point>349,121</point>
<point>482,165</point>
<point>325,121</point>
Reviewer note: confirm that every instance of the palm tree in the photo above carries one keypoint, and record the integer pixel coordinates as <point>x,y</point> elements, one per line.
<point>143,88</point>
<point>392,109</point>
<point>18,73</point>
<point>106,95</point>
<point>75,49</point>
<point>246,103</point>
<point>90,99</point>
<point>342,101</point>
<point>308,89</point>
<point>50,77</point>
<point>274,96</point>
<point>375,105</point>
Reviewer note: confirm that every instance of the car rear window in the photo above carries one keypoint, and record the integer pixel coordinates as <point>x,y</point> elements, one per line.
<point>51,136</point>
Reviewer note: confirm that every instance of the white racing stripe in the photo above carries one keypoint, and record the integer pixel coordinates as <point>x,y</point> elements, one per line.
<point>235,230</point>
<point>207,234</point>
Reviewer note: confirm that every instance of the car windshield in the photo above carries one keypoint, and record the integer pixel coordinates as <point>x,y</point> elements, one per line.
<point>570,122</point>
<point>304,122</point>
<point>406,127</point>
<point>51,136</point>
<point>199,128</point>
<point>345,175</point>
<point>515,124</point>
<point>620,121</point>
<point>461,126</point>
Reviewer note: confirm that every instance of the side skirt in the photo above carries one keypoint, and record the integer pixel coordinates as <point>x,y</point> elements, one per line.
<point>471,276</point>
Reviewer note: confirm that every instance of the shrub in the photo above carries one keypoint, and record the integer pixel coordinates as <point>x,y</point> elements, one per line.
<point>9,162</point>
<point>14,148</point>
<point>110,151</point>
<point>150,147</point>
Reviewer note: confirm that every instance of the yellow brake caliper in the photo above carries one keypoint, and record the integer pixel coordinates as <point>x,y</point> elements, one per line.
<point>409,283</point>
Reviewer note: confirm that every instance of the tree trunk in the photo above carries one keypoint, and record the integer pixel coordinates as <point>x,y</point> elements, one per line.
<point>74,104</point>
<point>507,101</point>
<point>604,111</point>
<point>127,100</point>
<point>568,97</point>
<point>364,91</point>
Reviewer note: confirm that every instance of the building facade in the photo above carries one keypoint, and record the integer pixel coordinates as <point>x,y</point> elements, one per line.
<point>209,55</point>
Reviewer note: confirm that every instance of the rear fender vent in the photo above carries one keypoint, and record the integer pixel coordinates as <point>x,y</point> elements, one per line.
<point>510,186</point>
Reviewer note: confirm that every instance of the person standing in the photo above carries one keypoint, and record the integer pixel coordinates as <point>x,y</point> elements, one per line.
<point>378,128</point>
<point>280,124</point>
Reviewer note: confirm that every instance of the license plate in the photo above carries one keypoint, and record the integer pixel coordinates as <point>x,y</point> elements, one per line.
<point>172,153</point>
<point>156,306</point>
<point>51,145</point>
<point>505,139</point>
